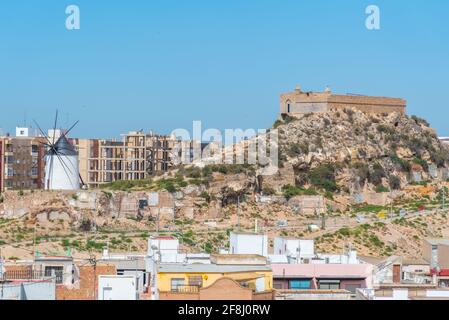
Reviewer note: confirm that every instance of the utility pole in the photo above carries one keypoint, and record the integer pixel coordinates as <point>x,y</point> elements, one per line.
<point>443,199</point>
<point>34,242</point>
<point>157,222</point>
<point>95,216</point>
<point>93,262</point>
<point>323,221</point>
<point>238,212</point>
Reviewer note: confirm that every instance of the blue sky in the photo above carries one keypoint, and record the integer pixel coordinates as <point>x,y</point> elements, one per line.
<point>161,64</point>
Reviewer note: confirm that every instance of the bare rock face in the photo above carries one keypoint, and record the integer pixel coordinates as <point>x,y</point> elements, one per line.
<point>383,151</point>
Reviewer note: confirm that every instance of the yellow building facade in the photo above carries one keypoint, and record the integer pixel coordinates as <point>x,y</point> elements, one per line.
<point>184,278</point>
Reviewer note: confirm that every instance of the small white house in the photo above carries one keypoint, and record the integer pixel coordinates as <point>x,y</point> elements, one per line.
<point>248,243</point>
<point>163,249</point>
<point>114,287</point>
<point>294,247</point>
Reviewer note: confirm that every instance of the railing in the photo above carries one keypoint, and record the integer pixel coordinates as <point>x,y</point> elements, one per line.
<point>23,275</point>
<point>186,289</point>
<point>31,275</point>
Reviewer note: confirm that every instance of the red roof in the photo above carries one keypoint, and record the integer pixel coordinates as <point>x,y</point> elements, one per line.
<point>164,238</point>
<point>443,272</point>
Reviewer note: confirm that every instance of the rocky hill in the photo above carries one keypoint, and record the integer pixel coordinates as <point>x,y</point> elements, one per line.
<point>345,152</point>
<point>361,171</point>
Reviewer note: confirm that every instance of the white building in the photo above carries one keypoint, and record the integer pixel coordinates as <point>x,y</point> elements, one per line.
<point>113,287</point>
<point>248,243</point>
<point>163,249</point>
<point>294,248</point>
<point>62,167</point>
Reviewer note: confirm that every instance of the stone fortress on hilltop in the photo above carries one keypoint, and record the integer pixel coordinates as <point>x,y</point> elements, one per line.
<point>299,103</point>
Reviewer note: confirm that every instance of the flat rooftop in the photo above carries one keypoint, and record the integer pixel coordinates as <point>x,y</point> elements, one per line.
<point>435,241</point>
<point>208,268</point>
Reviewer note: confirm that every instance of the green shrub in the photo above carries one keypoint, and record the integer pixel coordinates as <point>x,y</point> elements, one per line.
<point>277,124</point>
<point>385,129</point>
<point>361,171</point>
<point>405,165</point>
<point>382,189</point>
<point>395,182</point>
<point>290,191</point>
<point>376,174</point>
<point>420,121</point>
<point>296,149</point>
<point>228,169</point>
<point>423,163</point>
<point>65,243</point>
<point>323,177</point>
<point>126,185</point>
<point>268,191</point>
<point>206,196</point>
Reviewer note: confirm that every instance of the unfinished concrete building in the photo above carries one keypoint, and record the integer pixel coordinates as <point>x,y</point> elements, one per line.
<point>137,156</point>
<point>22,163</point>
<point>299,103</point>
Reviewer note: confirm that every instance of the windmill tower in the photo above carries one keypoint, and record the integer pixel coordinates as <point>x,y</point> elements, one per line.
<point>61,166</point>
<point>61,161</point>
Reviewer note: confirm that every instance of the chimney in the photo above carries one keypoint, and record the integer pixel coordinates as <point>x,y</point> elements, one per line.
<point>105,253</point>
<point>298,89</point>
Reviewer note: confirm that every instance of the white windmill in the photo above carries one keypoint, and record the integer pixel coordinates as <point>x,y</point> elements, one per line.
<point>61,161</point>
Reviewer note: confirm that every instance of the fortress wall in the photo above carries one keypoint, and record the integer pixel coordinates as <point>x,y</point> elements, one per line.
<point>302,103</point>
<point>368,108</point>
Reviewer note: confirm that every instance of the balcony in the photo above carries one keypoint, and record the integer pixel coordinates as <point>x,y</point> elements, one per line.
<point>14,275</point>
<point>186,289</point>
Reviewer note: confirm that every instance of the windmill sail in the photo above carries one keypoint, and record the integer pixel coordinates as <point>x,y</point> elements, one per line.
<point>61,170</point>
<point>61,160</point>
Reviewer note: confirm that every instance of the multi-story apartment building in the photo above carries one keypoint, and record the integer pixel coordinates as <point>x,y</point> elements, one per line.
<point>137,156</point>
<point>22,163</point>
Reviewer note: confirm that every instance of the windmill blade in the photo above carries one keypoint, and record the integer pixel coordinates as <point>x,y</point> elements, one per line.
<point>73,126</point>
<point>54,128</point>
<point>64,167</point>
<point>43,134</point>
<point>81,179</point>
<point>50,172</point>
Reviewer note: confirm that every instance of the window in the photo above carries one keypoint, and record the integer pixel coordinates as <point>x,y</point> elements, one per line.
<point>353,288</point>
<point>299,284</point>
<point>52,271</point>
<point>9,172</point>
<point>329,284</point>
<point>34,171</point>
<point>278,286</point>
<point>177,284</point>
<point>196,281</point>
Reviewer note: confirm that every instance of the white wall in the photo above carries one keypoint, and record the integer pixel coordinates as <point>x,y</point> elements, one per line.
<point>162,249</point>
<point>245,243</point>
<point>62,175</point>
<point>117,288</point>
<point>293,247</point>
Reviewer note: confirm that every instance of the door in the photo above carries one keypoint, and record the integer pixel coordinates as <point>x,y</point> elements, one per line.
<point>107,293</point>
<point>397,273</point>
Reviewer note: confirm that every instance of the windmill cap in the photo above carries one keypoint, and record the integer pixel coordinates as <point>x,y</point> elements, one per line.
<point>63,147</point>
